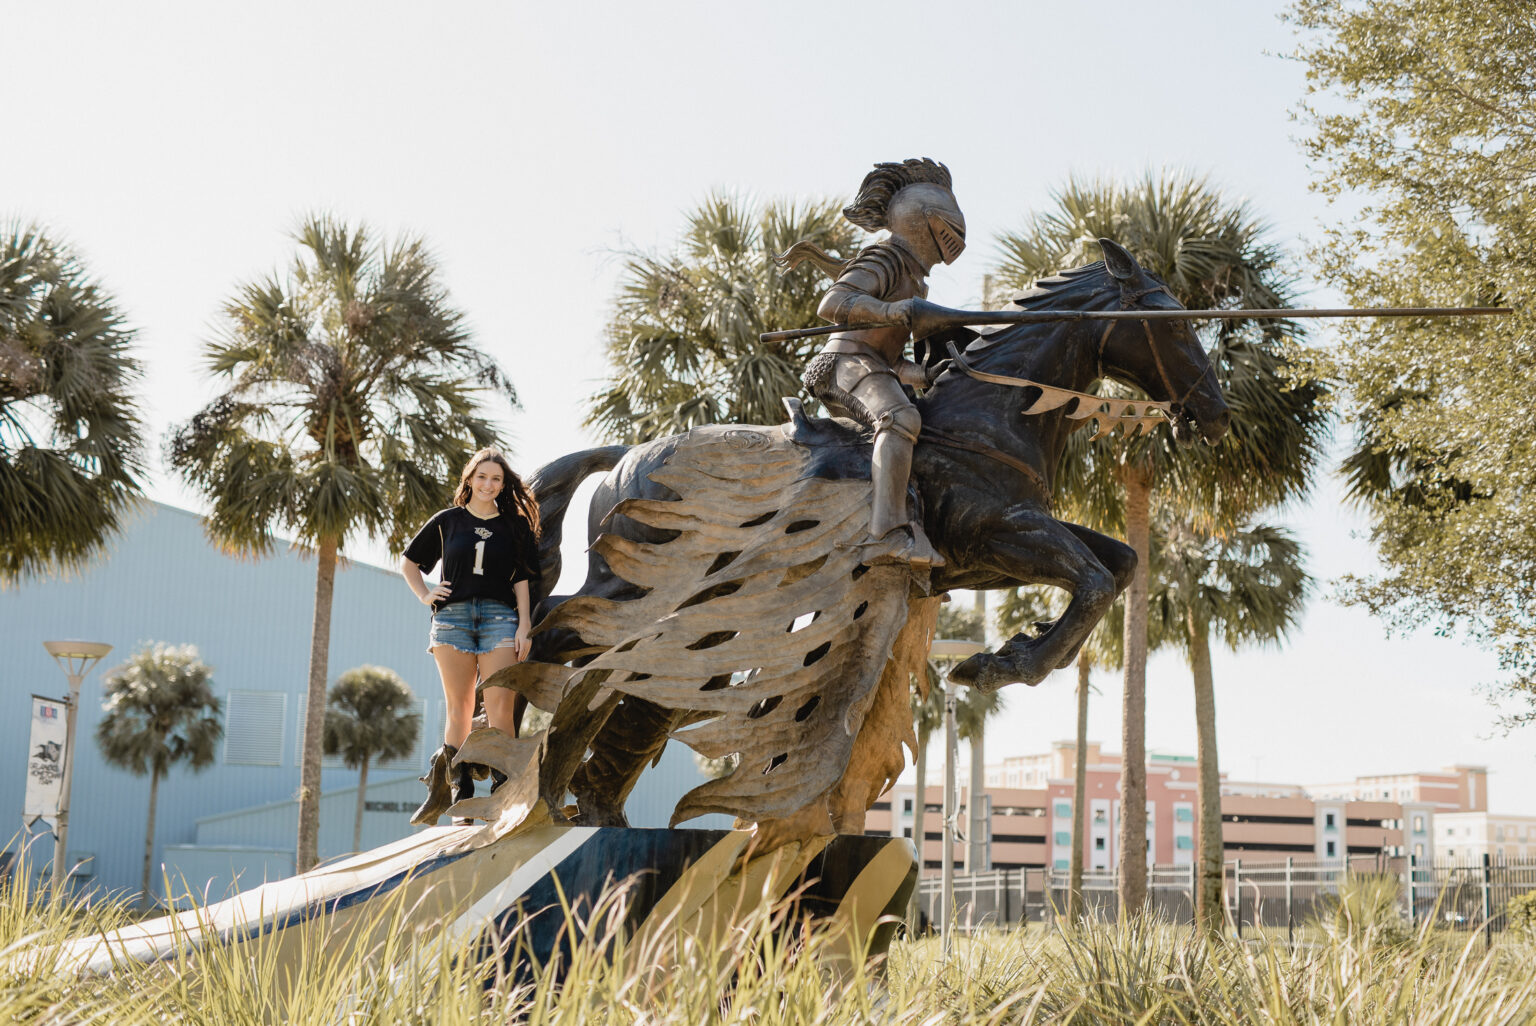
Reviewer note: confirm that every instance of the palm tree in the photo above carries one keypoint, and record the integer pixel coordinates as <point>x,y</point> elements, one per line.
<point>682,342</point>
<point>972,712</point>
<point>371,715</point>
<point>159,711</point>
<point>927,717</point>
<point>70,435</point>
<point>352,399</point>
<point>1211,253</point>
<point>1247,586</point>
<point>1018,610</point>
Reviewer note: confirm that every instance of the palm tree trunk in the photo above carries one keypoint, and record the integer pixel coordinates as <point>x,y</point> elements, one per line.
<point>976,829</point>
<point>145,900</point>
<point>1079,794</point>
<point>1209,853</point>
<point>314,714</point>
<point>1137,480</point>
<point>920,802</point>
<point>357,822</point>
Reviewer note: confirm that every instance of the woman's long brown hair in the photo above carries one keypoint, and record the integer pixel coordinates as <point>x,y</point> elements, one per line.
<point>515,496</point>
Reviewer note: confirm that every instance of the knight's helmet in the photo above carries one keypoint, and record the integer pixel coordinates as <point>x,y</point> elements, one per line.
<point>914,199</point>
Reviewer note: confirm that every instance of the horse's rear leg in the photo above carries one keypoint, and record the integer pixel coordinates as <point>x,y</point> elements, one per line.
<point>631,740</point>
<point>1037,549</point>
<point>1116,556</point>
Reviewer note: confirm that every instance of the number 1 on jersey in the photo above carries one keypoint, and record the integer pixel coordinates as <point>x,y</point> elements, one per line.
<point>480,557</point>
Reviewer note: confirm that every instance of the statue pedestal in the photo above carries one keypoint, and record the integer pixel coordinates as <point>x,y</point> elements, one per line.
<point>463,885</point>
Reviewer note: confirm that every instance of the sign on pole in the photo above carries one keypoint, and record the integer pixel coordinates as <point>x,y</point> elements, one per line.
<point>45,760</point>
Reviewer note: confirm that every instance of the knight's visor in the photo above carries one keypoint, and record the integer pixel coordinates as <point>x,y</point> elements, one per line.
<point>949,234</point>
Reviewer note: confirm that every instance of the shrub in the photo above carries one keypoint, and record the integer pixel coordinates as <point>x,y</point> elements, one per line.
<point>1522,913</point>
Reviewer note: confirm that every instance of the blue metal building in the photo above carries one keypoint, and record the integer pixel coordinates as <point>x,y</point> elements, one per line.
<point>162,580</point>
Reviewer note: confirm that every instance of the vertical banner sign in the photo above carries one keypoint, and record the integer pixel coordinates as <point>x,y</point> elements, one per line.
<point>45,760</point>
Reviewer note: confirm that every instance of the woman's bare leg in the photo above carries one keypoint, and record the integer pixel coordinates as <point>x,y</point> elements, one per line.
<point>501,709</point>
<point>458,672</point>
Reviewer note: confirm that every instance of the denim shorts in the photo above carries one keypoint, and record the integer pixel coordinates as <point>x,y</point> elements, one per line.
<point>476,625</point>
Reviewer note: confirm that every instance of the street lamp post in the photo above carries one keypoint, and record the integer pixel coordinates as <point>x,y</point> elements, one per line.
<point>75,658</point>
<point>947,649</point>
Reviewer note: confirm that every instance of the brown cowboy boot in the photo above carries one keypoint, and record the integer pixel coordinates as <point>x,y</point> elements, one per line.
<point>439,790</point>
<point>464,788</point>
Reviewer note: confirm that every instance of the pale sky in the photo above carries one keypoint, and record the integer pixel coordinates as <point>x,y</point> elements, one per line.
<point>175,145</point>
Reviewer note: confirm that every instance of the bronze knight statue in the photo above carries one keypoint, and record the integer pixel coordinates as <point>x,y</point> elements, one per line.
<point>879,294</point>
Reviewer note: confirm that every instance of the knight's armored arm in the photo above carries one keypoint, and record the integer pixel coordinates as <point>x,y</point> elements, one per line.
<point>914,374</point>
<point>853,301</point>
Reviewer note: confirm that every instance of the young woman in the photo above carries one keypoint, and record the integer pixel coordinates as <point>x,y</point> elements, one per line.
<point>487,542</point>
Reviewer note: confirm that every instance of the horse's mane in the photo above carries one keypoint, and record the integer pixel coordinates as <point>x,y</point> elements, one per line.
<point>1066,290</point>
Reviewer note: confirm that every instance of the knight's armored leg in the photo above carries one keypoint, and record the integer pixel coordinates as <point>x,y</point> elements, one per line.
<point>895,435</point>
<point>896,423</point>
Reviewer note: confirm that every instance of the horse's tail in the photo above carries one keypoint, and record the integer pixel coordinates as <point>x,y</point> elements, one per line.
<point>552,485</point>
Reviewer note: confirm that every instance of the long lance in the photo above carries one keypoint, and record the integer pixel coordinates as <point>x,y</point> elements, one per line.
<point>967,318</point>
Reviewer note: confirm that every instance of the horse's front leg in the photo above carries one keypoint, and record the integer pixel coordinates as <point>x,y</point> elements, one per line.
<point>1031,546</point>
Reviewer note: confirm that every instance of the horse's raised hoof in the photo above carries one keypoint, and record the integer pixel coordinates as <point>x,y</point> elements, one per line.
<point>967,672</point>
<point>987,673</point>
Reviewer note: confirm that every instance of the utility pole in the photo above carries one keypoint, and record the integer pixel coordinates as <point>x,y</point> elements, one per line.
<point>75,658</point>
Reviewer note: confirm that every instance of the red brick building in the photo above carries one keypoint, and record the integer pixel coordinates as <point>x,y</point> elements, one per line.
<point>1031,810</point>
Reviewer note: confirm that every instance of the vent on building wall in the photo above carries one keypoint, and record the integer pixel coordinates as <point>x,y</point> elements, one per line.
<point>412,760</point>
<point>253,728</point>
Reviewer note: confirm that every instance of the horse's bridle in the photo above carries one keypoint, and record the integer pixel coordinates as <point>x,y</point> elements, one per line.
<point>1129,299</point>
<point>1171,408</point>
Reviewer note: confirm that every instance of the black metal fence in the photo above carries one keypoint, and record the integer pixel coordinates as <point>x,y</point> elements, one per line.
<point>1458,894</point>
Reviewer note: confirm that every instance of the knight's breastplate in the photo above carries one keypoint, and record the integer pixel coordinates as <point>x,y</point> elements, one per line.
<point>889,341</point>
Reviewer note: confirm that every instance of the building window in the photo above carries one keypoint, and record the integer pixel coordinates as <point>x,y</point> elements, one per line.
<point>1331,849</point>
<point>1098,844</point>
<point>1063,837</point>
<point>1329,823</point>
<point>1184,814</point>
<point>1418,850</point>
<point>1184,843</point>
<point>1498,833</point>
<point>1064,809</point>
<point>906,831</point>
<point>1418,824</point>
<point>1100,816</point>
<point>906,805</point>
<point>1063,864</point>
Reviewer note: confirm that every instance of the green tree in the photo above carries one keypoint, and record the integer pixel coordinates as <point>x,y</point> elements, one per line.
<point>371,716</point>
<point>1246,587</point>
<point>1420,113</point>
<point>683,345</point>
<point>352,398</point>
<point>70,435</point>
<point>159,711</point>
<point>1021,609</point>
<point>1212,253</point>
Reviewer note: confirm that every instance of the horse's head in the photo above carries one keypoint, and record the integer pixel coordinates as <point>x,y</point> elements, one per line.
<point>1162,358</point>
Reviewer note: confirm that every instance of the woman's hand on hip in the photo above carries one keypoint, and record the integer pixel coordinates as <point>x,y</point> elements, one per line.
<point>436,595</point>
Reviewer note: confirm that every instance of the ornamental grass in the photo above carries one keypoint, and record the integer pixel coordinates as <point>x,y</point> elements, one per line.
<point>1350,969</point>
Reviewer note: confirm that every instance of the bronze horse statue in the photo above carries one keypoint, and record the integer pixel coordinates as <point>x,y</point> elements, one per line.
<point>982,477</point>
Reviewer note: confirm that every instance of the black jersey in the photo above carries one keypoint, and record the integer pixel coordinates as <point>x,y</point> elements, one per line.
<point>481,558</point>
